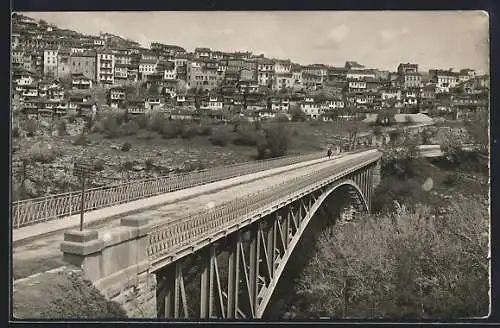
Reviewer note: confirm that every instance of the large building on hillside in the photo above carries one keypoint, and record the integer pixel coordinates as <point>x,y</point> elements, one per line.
<point>84,63</point>
<point>105,67</point>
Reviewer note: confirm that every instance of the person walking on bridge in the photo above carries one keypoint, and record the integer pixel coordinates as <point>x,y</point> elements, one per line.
<point>329,152</point>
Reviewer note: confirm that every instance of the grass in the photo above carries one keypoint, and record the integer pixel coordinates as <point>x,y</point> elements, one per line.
<point>62,295</point>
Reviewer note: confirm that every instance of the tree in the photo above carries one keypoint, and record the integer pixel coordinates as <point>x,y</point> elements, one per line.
<point>274,141</point>
<point>353,129</point>
<point>478,128</point>
<point>418,266</point>
<point>153,91</point>
<point>297,114</point>
<point>396,136</point>
<point>181,87</point>
<point>377,131</point>
<point>385,118</point>
<point>451,146</point>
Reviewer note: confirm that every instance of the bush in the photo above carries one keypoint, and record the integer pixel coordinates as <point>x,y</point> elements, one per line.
<point>145,135</point>
<point>247,135</point>
<point>141,121</point>
<point>110,126</point>
<point>127,166</point>
<point>281,118</point>
<point>99,165</point>
<point>189,132</point>
<point>81,140</point>
<point>278,139</point>
<point>204,129</point>
<point>148,164</point>
<point>129,128</point>
<point>156,122</point>
<point>61,128</point>
<point>220,138</point>
<point>126,146</point>
<point>418,266</point>
<point>31,127</point>
<point>15,132</point>
<point>171,129</point>
<point>71,118</point>
<point>42,153</point>
<point>451,179</point>
<point>298,114</point>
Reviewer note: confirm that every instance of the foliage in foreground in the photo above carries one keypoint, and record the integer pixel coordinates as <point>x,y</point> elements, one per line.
<point>405,265</point>
<point>64,296</point>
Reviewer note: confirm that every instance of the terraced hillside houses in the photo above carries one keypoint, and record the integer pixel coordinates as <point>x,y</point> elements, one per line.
<point>51,66</point>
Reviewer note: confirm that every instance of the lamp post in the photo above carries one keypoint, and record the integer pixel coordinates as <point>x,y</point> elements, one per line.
<point>83,170</point>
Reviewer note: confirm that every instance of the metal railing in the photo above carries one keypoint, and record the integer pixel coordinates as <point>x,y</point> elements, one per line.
<point>36,210</point>
<point>192,228</point>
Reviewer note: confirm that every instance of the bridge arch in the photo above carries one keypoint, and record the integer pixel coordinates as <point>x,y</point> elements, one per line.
<point>349,184</point>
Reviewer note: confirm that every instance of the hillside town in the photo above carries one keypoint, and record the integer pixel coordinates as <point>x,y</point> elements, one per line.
<point>59,72</point>
<point>340,174</point>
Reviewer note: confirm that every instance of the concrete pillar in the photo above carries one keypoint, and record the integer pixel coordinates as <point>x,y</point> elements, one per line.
<point>116,261</point>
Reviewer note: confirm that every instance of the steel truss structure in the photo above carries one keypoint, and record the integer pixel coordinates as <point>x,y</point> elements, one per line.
<point>237,276</point>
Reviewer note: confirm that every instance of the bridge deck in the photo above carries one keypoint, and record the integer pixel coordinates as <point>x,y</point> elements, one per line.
<point>100,218</point>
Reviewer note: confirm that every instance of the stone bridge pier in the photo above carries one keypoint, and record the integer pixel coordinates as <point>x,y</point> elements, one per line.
<point>116,262</point>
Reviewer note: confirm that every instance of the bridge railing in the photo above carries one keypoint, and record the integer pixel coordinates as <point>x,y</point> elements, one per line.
<point>193,228</point>
<point>36,210</point>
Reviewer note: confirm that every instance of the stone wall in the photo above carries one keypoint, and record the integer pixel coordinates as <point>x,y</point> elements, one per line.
<point>116,262</point>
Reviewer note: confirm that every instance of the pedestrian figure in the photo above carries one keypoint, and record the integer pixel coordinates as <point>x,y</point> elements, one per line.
<point>329,152</point>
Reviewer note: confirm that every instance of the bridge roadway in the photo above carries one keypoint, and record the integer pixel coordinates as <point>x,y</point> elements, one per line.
<point>43,240</point>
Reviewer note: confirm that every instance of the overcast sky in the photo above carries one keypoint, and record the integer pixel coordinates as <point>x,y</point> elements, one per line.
<point>457,39</point>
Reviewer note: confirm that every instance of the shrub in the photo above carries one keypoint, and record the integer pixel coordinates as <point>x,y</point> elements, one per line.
<point>129,128</point>
<point>81,140</point>
<point>42,153</point>
<point>418,266</point>
<point>15,132</point>
<point>220,138</point>
<point>126,146</point>
<point>99,165</point>
<point>278,139</point>
<point>127,166</point>
<point>71,118</point>
<point>314,123</point>
<point>145,135</point>
<point>171,129</point>
<point>148,164</point>
<point>31,127</point>
<point>110,126</point>
<point>157,121</point>
<point>247,135</point>
<point>395,135</point>
<point>204,129</point>
<point>189,132</point>
<point>451,180</point>
<point>281,118</point>
<point>141,121</point>
<point>61,128</point>
<point>298,114</point>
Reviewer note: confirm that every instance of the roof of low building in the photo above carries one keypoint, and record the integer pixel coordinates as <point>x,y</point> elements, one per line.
<point>403,118</point>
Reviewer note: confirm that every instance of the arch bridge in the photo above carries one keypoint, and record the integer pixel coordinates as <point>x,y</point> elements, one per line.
<point>225,261</point>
